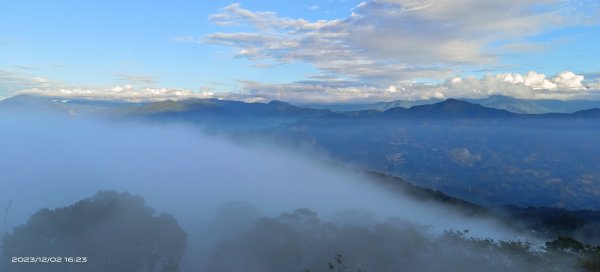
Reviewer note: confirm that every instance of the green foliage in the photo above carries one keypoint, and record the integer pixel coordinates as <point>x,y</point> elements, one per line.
<point>588,257</point>
<point>566,244</point>
<point>301,240</point>
<point>114,231</point>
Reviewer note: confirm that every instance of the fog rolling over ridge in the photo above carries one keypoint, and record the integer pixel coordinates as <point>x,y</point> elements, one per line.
<point>51,162</point>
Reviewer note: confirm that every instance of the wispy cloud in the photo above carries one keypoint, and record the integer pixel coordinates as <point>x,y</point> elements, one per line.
<point>386,41</point>
<point>137,79</point>
<point>183,39</point>
<point>24,67</point>
<point>11,82</point>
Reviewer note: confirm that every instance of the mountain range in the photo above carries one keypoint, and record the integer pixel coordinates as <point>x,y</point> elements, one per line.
<point>516,105</point>
<point>197,109</point>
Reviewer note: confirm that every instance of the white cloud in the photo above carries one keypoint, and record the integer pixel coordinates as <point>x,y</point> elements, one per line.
<point>564,80</point>
<point>14,83</point>
<point>532,85</point>
<point>569,80</point>
<point>531,79</point>
<point>120,92</point>
<point>386,41</point>
<point>11,82</point>
<point>324,89</point>
<point>320,92</point>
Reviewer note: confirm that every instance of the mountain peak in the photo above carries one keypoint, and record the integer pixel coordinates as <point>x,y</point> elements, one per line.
<point>454,101</point>
<point>591,113</point>
<point>279,103</point>
<point>451,108</point>
<point>457,101</point>
<point>451,105</point>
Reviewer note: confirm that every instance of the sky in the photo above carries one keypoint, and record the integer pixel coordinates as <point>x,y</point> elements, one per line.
<point>301,51</point>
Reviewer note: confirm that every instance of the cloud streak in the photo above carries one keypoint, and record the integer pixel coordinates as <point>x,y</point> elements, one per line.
<point>136,79</point>
<point>11,82</point>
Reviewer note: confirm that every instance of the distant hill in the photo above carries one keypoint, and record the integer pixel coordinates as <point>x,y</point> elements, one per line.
<point>453,109</point>
<point>207,109</point>
<point>483,155</point>
<point>587,114</point>
<point>530,106</point>
<point>516,105</point>
<point>63,105</point>
<point>546,222</point>
<point>379,106</point>
<point>450,108</point>
<point>222,114</point>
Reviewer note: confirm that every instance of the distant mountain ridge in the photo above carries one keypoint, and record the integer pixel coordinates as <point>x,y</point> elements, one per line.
<point>450,108</point>
<point>192,104</point>
<point>458,109</point>
<point>532,106</point>
<point>516,105</point>
<point>379,106</point>
<point>195,109</point>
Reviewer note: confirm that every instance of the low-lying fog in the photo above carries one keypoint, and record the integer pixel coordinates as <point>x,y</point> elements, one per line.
<point>50,162</point>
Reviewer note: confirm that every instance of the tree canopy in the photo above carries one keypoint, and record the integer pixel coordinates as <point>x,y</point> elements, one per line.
<point>113,231</point>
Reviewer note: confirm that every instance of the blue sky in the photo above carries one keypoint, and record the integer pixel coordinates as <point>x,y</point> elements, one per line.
<point>337,46</point>
<point>92,40</point>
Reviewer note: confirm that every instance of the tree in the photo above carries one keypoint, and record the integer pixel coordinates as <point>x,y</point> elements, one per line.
<point>113,231</point>
<point>564,243</point>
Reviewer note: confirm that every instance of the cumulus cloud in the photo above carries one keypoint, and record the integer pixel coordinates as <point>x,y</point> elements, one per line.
<point>569,80</point>
<point>532,85</point>
<point>564,80</point>
<point>15,83</point>
<point>329,89</point>
<point>531,79</point>
<point>384,41</point>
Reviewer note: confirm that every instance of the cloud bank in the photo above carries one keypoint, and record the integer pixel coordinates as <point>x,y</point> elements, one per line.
<point>532,85</point>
